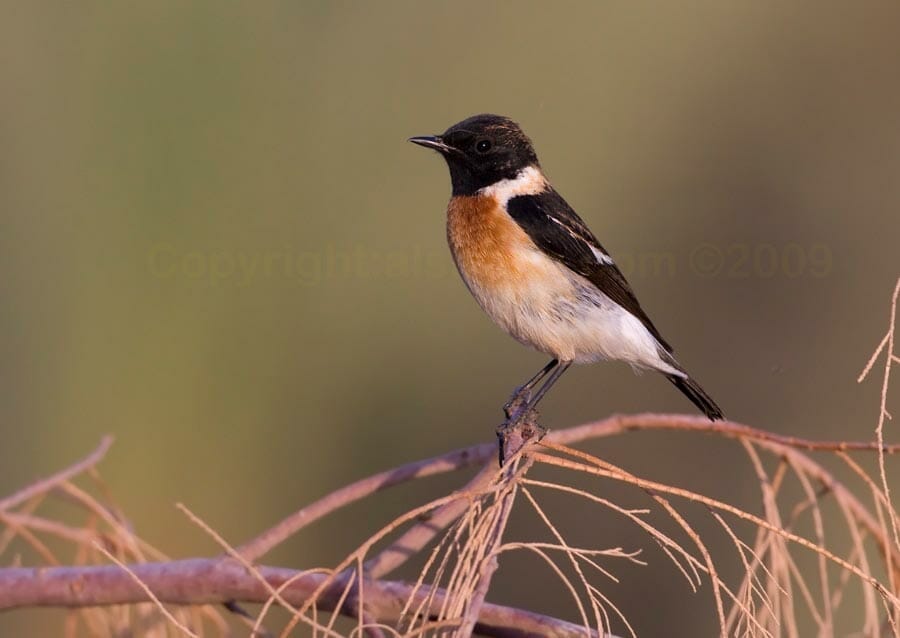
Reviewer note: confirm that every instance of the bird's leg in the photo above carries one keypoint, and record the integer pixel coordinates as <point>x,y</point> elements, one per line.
<point>521,424</point>
<point>531,402</point>
<point>522,394</point>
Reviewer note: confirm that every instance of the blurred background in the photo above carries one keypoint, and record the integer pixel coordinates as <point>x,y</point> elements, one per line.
<point>217,245</point>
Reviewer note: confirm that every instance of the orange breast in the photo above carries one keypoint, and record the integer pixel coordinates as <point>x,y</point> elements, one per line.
<point>521,288</point>
<point>489,248</point>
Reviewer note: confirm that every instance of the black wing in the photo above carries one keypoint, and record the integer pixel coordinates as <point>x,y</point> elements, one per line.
<point>557,230</point>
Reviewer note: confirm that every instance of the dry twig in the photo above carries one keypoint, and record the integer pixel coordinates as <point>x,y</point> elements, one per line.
<point>465,531</point>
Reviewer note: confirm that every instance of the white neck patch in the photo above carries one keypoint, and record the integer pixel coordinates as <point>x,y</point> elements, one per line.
<point>529,181</point>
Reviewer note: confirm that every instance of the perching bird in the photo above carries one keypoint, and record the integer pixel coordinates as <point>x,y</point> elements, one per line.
<point>535,267</point>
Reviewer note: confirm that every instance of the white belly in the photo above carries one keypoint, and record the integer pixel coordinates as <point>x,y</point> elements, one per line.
<point>560,313</point>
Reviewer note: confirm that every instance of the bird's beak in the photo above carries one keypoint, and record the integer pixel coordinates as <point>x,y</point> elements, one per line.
<point>431,141</point>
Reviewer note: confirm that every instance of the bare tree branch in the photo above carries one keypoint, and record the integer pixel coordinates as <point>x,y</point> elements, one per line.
<point>417,537</point>
<point>620,423</point>
<point>486,452</point>
<point>202,581</point>
<point>458,459</point>
<point>220,580</point>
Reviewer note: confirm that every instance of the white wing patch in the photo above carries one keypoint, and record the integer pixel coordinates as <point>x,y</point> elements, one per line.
<point>602,257</point>
<point>599,255</point>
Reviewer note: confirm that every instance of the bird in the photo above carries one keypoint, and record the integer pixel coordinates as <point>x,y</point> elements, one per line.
<point>536,269</point>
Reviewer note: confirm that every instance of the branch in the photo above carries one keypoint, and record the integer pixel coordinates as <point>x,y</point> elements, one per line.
<point>413,540</point>
<point>491,542</point>
<point>780,445</point>
<point>202,581</point>
<point>451,461</point>
<point>220,580</point>
<point>619,424</point>
<point>482,453</point>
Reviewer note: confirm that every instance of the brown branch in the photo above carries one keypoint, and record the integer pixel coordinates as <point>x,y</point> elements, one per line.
<point>458,459</point>
<point>199,581</point>
<point>494,536</point>
<point>218,580</point>
<point>618,424</point>
<point>485,452</point>
<point>776,444</point>
<point>413,540</point>
<point>882,413</point>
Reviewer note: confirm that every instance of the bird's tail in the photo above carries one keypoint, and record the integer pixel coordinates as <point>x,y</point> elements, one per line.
<point>692,390</point>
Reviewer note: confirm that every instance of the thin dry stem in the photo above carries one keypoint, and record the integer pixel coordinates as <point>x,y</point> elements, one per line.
<point>887,345</point>
<point>45,485</point>
<point>162,608</point>
<point>465,537</point>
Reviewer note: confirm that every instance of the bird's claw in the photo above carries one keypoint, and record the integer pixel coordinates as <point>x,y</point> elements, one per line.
<point>517,431</point>
<point>517,401</point>
<point>517,410</point>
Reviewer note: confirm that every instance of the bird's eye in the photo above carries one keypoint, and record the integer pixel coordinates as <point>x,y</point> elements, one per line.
<point>483,146</point>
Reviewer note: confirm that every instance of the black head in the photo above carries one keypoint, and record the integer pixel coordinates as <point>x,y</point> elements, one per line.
<point>482,150</point>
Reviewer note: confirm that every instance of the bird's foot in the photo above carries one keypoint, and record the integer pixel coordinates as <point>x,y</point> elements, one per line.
<point>517,431</point>
<point>521,425</point>
<point>519,399</point>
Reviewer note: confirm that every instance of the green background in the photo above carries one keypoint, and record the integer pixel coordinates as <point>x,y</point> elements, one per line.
<point>217,245</point>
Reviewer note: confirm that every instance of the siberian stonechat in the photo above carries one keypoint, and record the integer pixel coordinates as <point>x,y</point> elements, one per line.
<point>535,267</point>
